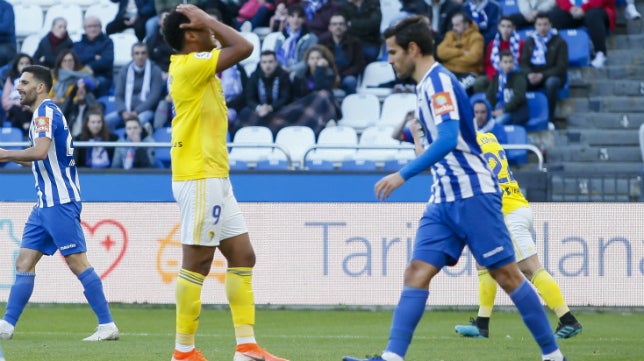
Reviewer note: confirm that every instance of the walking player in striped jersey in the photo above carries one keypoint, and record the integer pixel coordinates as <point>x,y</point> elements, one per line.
<point>54,222</point>
<point>465,206</point>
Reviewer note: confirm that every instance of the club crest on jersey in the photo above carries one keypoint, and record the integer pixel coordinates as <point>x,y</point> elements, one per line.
<point>203,55</point>
<point>42,124</point>
<point>442,103</point>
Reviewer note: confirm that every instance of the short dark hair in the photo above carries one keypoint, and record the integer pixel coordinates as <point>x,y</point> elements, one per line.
<point>296,9</point>
<point>506,18</point>
<point>268,52</point>
<point>543,15</point>
<point>40,73</point>
<point>172,31</point>
<point>505,52</point>
<point>412,29</point>
<point>466,17</point>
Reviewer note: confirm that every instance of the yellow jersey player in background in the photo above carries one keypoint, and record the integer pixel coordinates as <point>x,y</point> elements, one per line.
<point>210,215</point>
<point>518,217</point>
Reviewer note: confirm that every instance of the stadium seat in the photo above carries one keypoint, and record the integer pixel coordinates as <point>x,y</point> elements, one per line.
<point>359,165</point>
<point>29,20</point>
<point>389,10</point>
<point>538,107</point>
<point>360,111</point>
<point>30,44</point>
<point>395,107</point>
<point>272,164</point>
<point>270,40</point>
<point>250,68</point>
<point>108,102</point>
<point>44,4</point>
<point>70,12</point>
<point>123,48</point>
<point>10,134</point>
<point>84,4</point>
<point>377,136</point>
<point>254,56</point>
<point>509,7</point>
<point>319,165</point>
<point>105,11</point>
<point>375,74</point>
<point>516,135</point>
<point>119,132</point>
<point>163,135</point>
<point>296,140</point>
<point>244,142</point>
<point>525,33</point>
<point>345,138</point>
<point>578,46</point>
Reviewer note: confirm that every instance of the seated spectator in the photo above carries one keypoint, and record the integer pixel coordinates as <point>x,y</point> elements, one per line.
<point>318,13</point>
<point>67,71</point>
<point>137,91</point>
<point>484,121</point>
<point>597,16</point>
<point>364,18</point>
<point>277,22</point>
<point>78,102</point>
<point>96,50</point>
<point>314,103</point>
<point>159,50</point>
<point>528,10</point>
<point>347,52</point>
<point>298,39</point>
<point>132,14</point>
<point>19,115</point>
<point>462,50</point>
<point>506,93</point>
<point>269,90</point>
<point>8,43</point>
<point>53,43</point>
<point>403,132</point>
<point>233,81</point>
<point>256,13</point>
<point>127,157</point>
<point>440,16</point>
<point>505,39</point>
<point>545,60</point>
<point>95,130</point>
<point>485,14</point>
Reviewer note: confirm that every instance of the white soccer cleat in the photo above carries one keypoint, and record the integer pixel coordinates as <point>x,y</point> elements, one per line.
<point>6,330</point>
<point>107,332</point>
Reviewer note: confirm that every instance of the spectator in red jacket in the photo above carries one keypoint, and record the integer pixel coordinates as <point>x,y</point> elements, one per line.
<point>596,15</point>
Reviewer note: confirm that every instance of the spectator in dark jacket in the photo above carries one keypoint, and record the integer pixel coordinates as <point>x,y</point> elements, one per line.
<point>268,90</point>
<point>506,92</point>
<point>486,15</point>
<point>53,43</point>
<point>96,50</point>
<point>544,59</point>
<point>133,17</point>
<point>347,52</point>
<point>318,13</point>
<point>8,45</point>
<point>364,17</point>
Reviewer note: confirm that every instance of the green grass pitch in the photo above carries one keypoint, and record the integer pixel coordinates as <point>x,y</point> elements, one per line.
<point>53,333</point>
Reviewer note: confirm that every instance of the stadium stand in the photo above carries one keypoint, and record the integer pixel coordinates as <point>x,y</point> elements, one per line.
<point>71,12</point>
<point>296,140</point>
<point>251,145</point>
<point>123,48</point>
<point>395,107</point>
<point>360,111</point>
<point>516,135</point>
<point>270,40</point>
<point>374,75</point>
<point>105,11</point>
<point>538,107</point>
<point>29,20</point>
<point>346,138</point>
<point>163,154</point>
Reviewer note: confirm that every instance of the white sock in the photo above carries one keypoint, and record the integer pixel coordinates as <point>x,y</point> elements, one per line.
<point>390,356</point>
<point>183,348</point>
<point>553,356</point>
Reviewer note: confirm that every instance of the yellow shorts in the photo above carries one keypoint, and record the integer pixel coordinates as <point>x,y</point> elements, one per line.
<point>519,224</point>
<point>209,211</point>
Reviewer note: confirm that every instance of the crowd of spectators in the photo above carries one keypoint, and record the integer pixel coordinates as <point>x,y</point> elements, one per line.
<point>323,49</point>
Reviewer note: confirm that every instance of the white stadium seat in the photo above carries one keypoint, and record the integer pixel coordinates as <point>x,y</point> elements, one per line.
<point>360,111</point>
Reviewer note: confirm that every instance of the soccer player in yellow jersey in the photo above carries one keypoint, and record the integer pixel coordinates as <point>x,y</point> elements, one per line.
<point>210,215</point>
<point>518,217</point>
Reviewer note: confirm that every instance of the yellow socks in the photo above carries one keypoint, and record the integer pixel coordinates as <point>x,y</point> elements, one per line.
<point>487,293</point>
<point>550,291</point>
<point>188,296</point>
<point>239,290</point>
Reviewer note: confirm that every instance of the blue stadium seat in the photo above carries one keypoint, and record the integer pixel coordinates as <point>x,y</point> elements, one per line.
<point>516,135</point>
<point>509,7</point>
<point>109,105</point>
<point>320,165</point>
<point>538,107</point>
<point>578,46</point>
<point>119,132</point>
<point>10,134</point>
<point>525,33</point>
<point>272,164</point>
<point>163,154</point>
<point>359,165</point>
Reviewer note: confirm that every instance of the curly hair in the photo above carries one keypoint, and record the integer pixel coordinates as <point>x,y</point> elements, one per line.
<point>171,30</point>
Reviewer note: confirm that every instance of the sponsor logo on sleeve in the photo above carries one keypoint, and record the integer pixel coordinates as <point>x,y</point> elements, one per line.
<point>442,103</point>
<point>42,124</point>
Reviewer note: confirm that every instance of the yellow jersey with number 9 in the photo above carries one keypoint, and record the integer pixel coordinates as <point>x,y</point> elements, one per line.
<point>200,124</point>
<point>494,154</point>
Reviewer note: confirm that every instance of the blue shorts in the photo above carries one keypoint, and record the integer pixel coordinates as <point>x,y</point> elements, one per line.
<point>55,228</point>
<point>446,228</point>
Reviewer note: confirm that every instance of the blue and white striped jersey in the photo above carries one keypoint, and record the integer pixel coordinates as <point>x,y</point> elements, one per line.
<point>463,172</point>
<point>56,176</point>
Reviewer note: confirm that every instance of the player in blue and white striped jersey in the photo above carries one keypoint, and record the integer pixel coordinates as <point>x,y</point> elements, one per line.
<point>54,223</point>
<point>465,206</point>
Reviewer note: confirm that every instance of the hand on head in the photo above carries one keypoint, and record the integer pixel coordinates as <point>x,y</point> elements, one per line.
<point>197,17</point>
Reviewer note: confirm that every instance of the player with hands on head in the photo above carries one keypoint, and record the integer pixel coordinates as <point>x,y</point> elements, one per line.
<point>210,216</point>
